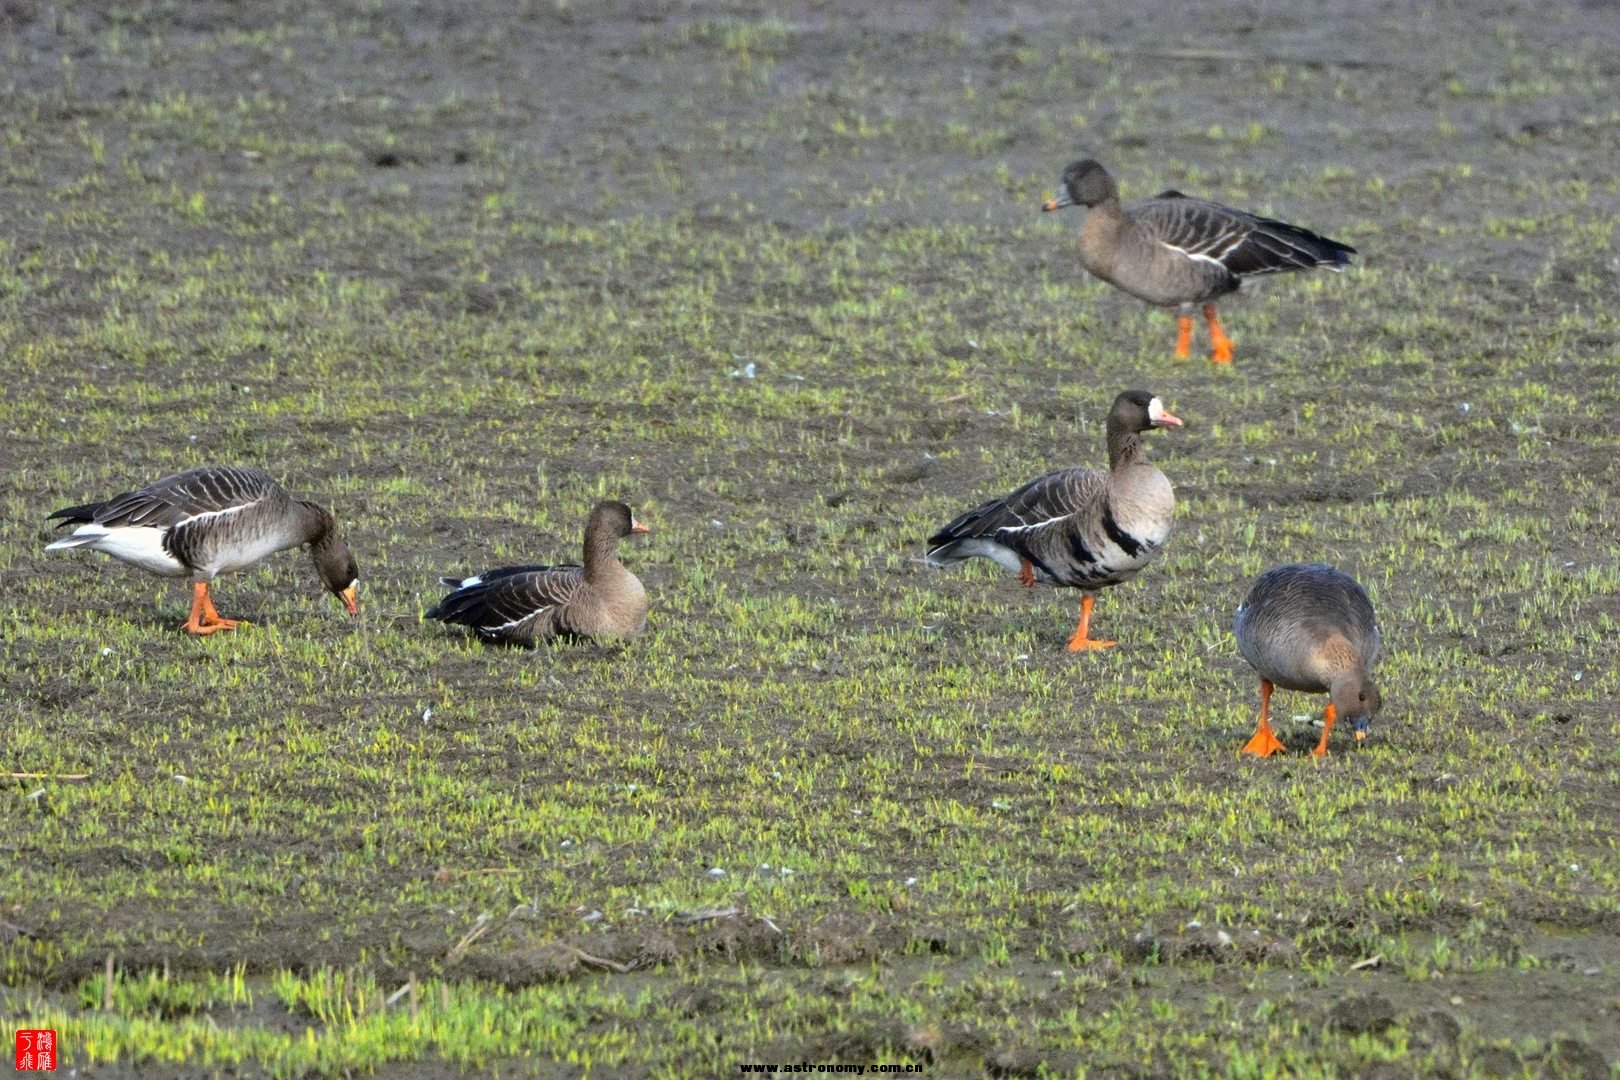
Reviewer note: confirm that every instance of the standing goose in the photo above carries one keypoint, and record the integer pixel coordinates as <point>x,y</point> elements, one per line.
<point>1310,627</point>
<point>1077,527</point>
<point>1177,251</point>
<point>210,521</point>
<point>524,605</point>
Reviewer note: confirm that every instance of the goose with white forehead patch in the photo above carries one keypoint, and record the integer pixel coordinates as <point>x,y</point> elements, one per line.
<point>210,521</point>
<point>1077,527</point>
<point>1177,251</point>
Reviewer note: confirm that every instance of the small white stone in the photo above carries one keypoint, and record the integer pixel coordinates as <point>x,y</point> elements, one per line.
<point>715,871</point>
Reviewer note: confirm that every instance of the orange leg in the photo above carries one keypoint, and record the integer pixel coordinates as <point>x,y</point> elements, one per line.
<point>1220,344</point>
<point>1026,574</point>
<point>1264,742</point>
<point>1328,716</point>
<point>1082,638</point>
<point>214,618</point>
<point>204,619</point>
<point>1184,336</point>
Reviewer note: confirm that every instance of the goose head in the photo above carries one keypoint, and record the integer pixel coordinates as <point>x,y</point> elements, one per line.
<point>334,562</point>
<point>1139,410</point>
<point>1356,701</point>
<point>610,522</point>
<point>1085,183</point>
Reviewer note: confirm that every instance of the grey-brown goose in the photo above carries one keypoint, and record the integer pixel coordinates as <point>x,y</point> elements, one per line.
<point>1310,627</point>
<point>1077,527</point>
<point>210,521</point>
<point>1177,251</point>
<point>523,605</point>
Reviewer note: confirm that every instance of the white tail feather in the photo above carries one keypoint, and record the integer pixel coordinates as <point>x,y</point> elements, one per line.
<point>136,545</point>
<point>977,547</point>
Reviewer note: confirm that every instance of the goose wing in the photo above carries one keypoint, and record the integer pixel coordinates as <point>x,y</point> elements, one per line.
<point>500,572</point>
<point>1292,609</point>
<point>177,499</point>
<point>1040,503</point>
<point>1038,522</point>
<point>503,602</point>
<point>1244,244</point>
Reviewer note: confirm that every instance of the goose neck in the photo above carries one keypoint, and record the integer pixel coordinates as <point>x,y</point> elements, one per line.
<point>601,556</point>
<point>1124,447</point>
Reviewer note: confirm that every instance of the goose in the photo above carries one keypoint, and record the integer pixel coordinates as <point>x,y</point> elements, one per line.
<point>1077,527</point>
<point>1310,627</point>
<point>1177,251</point>
<point>210,521</point>
<point>524,605</point>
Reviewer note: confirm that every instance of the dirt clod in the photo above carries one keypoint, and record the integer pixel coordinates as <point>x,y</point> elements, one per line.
<point>1363,1014</point>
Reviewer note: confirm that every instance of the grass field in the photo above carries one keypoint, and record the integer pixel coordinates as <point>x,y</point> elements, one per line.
<point>776,276</point>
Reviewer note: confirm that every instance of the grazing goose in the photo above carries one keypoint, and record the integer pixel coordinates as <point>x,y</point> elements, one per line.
<point>524,605</point>
<point>1309,627</point>
<point>1177,251</point>
<point>210,521</point>
<point>1077,527</point>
